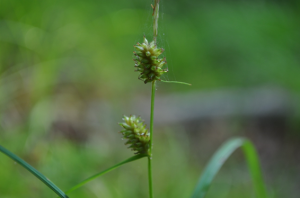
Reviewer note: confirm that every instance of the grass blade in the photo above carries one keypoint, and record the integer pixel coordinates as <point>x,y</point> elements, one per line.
<point>36,173</point>
<point>221,156</point>
<point>136,157</point>
<point>254,168</point>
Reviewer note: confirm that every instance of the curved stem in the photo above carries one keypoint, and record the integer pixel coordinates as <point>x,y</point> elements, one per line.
<point>151,140</point>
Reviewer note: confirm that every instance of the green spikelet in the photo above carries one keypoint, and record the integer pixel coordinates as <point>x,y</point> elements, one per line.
<point>147,61</point>
<point>136,133</point>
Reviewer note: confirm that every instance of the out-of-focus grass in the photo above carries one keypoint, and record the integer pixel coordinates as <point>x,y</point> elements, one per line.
<point>218,159</point>
<point>59,59</point>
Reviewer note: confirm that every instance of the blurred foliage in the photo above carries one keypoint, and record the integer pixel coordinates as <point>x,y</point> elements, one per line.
<point>61,61</point>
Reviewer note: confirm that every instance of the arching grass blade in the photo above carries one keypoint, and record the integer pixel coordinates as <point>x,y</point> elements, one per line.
<point>136,157</point>
<point>36,173</point>
<point>221,156</point>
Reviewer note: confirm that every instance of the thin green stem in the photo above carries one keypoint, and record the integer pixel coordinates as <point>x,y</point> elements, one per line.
<point>136,157</point>
<point>151,140</point>
<point>155,27</point>
<point>155,19</point>
<point>150,176</point>
<point>152,115</point>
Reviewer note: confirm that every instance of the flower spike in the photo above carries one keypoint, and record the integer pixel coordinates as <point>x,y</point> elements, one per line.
<point>147,61</point>
<point>137,134</point>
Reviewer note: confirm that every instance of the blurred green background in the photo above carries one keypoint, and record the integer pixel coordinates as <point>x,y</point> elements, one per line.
<point>67,77</point>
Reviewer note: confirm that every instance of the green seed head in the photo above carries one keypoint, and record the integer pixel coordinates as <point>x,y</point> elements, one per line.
<point>137,134</point>
<point>147,61</point>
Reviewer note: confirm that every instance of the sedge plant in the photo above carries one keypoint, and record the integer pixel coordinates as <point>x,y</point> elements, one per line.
<point>140,139</point>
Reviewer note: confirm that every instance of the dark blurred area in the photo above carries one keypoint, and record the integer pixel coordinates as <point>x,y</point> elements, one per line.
<point>67,77</point>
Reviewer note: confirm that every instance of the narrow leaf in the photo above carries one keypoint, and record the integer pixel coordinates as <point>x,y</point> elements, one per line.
<point>36,173</point>
<point>176,82</point>
<point>136,157</point>
<point>219,159</point>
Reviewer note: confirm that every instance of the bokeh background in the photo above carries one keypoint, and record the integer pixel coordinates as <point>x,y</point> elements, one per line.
<point>67,77</point>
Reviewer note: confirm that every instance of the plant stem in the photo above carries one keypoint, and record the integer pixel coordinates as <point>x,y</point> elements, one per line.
<point>151,140</point>
<point>150,176</point>
<point>155,27</point>
<point>152,115</point>
<point>155,19</point>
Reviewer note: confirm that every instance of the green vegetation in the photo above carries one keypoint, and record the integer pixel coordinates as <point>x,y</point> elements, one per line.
<point>59,58</point>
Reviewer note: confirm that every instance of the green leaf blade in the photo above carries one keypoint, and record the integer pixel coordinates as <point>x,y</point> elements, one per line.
<point>131,159</point>
<point>254,168</point>
<point>36,173</point>
<point>219,159</point>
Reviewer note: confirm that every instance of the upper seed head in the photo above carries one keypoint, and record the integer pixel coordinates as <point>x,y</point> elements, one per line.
<point>146,57</point>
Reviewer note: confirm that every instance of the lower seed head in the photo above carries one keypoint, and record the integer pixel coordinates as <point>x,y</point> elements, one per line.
<point>138,136</point>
